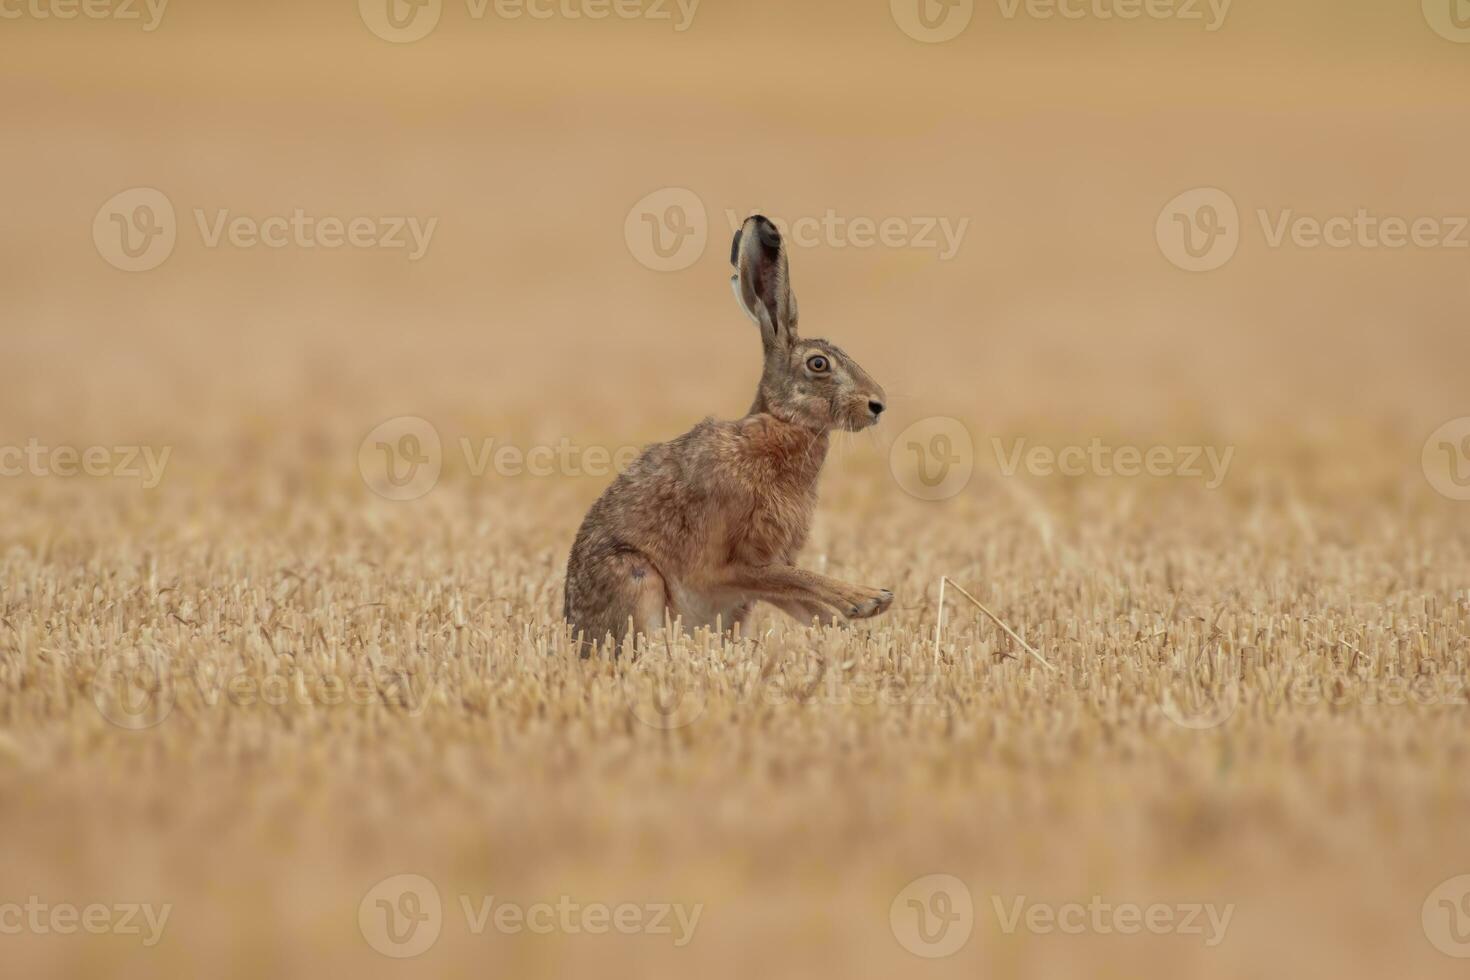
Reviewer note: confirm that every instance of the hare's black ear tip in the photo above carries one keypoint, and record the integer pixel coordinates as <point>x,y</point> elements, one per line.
<point>770,235</point>
<point>766,233</point>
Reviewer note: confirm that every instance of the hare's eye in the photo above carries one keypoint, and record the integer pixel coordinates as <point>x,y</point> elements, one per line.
<point>818,364</point>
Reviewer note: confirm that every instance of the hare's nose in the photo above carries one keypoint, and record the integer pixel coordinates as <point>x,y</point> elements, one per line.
<point>875,406</point>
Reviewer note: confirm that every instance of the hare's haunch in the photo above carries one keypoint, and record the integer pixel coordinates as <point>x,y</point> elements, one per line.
<point>704,526</point>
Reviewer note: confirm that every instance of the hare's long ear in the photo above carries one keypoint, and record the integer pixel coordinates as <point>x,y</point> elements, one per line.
<point>762,281</point>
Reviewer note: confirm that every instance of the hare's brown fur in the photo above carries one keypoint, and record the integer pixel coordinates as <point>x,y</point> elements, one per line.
<point>702,527</point>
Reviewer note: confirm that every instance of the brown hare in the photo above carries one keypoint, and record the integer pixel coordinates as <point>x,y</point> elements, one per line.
<point>704,526</point>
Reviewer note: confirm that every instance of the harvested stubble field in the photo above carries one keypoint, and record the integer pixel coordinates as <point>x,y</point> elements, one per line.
<point>257,693</point>
<point>356,689</point>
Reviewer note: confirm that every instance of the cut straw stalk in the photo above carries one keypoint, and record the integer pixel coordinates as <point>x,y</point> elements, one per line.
<point>939,623</point>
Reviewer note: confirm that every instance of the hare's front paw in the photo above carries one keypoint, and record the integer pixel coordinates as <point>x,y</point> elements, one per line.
<point>877,601</point>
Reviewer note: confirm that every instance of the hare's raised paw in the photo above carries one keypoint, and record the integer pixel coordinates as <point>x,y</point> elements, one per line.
<point>867,608</point>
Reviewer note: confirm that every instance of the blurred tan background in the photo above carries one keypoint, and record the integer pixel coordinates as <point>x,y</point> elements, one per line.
<point>531,318</point>
<point>529,141</point>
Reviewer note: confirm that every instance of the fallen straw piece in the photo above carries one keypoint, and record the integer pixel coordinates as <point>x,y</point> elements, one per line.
<point>939,623</point>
